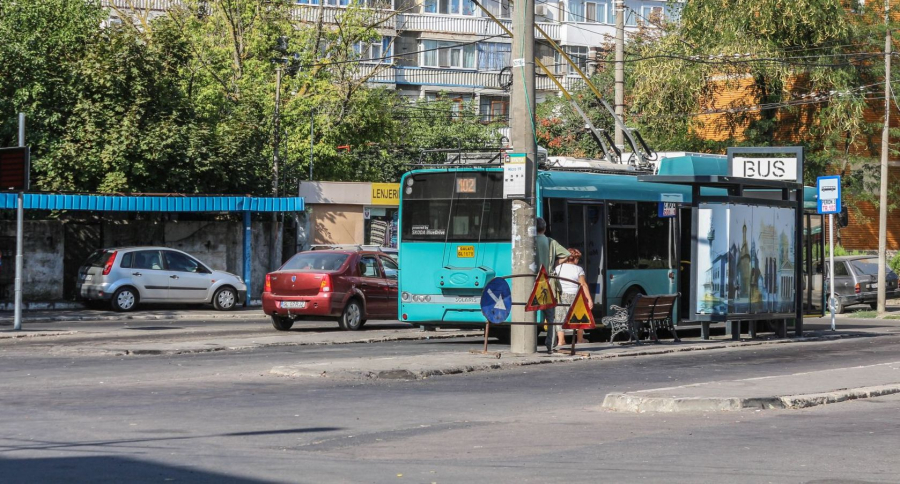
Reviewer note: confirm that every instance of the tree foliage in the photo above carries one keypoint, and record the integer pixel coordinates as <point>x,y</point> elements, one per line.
<point>185,102</point>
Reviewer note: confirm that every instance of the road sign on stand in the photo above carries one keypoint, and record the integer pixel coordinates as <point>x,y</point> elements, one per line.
<point>579,316</point>
<point>828,189</point>
<point>542,296</point>
<point>496,301</point>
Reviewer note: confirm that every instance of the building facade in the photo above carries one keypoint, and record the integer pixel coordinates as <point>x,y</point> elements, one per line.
<point>453,49</point>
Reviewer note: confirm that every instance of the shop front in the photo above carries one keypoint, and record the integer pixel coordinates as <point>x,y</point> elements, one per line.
<point>344,213</point>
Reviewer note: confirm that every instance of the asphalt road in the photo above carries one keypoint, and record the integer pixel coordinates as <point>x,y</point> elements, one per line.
<point>221,417</point>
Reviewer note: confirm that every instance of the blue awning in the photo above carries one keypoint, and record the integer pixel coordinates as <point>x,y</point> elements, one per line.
<point>112,203</point>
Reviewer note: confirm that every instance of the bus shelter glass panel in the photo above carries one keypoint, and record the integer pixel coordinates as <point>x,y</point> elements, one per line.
<point>744,262</point>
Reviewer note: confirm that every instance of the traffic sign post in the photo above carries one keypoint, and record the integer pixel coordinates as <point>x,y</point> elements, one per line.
<point>496,304</point>
<point>828,201</point>
<point>542,296</point>
<point>579,316</point>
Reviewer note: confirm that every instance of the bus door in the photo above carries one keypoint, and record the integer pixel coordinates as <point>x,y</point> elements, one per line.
<point>812,297</point>
<point>683,253</point>
<point>586,231</point>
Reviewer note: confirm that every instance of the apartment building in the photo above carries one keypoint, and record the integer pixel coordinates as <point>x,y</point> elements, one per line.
<point>453,49</point>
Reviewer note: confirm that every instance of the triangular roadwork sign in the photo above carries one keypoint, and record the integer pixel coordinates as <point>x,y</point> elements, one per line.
<point>579,316</point>
<point>542,296</point>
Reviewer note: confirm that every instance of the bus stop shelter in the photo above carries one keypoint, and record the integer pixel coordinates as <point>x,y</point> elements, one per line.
<point>164,204</point>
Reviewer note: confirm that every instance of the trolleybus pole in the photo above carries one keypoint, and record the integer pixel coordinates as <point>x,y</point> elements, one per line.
<point>523,339</point>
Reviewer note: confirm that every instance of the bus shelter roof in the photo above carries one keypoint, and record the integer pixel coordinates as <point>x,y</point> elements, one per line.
<point>154,203</point>
<point>168,204</point>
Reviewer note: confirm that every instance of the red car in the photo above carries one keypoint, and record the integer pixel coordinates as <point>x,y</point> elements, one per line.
<point>349,285</point>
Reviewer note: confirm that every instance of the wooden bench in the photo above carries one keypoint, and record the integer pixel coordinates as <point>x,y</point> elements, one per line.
<point>653,312</point>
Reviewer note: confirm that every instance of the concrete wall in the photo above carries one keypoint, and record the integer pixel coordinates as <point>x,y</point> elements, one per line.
<point>43,261</point>
<point>49,262</point>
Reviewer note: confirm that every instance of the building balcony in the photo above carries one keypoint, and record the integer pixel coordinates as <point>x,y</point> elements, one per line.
<point>466,79</point>
<point>464,25</point>
<point>332,15</point>
<point>586,33</point>
<point>151,5</point>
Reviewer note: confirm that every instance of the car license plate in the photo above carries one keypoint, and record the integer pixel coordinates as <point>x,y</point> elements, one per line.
<point>873,286</point>
<point>293,304</point>
<point>87,277</point>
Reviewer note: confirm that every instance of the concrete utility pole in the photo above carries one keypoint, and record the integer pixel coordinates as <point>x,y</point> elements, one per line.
<point>275,238</point>
<point>885,133</point>
<point>620,71</point>
<point>522,103</point>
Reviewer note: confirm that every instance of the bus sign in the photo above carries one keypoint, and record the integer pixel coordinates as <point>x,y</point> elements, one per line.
<point>667,209</point>
<point>828,189</point>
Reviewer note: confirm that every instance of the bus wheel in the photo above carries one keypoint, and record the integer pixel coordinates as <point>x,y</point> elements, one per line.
<point>503,335</point>
<point>598,334</point>
<point>630,294</point>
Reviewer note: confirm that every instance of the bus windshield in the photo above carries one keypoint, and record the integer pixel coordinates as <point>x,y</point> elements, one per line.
<point>458,206</point>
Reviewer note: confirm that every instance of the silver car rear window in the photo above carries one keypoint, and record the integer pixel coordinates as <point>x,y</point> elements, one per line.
<point>99,258</point>
<point>868,266</point>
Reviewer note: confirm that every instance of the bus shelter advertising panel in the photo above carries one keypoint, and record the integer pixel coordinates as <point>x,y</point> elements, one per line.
<point>744,262</point>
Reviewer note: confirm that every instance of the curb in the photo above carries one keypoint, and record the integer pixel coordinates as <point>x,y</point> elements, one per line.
<point>211,349</point>
<point>406,373</point>
<point>245,315</point>
<point>625,402</point>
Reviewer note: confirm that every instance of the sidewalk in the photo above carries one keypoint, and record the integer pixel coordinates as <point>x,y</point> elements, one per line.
<point>799,390</point>
<point>147,313</point>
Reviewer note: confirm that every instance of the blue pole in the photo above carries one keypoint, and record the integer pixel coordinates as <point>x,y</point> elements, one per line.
<point>247,257</point>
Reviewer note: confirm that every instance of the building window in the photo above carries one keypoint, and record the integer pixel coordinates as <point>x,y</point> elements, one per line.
<point>590,12</point>
<point>457,101</point>
<point>448,54</point>
<point>493,56</point>
<point>449,7</point>
<point>498,8</point>
<point>377,52</point>
<point>578,54</point>
<point>561,15</point>
<point>652,14</point>
<point>494,109</point>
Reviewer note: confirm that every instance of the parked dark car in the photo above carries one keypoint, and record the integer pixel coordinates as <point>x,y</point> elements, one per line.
<point>856,282</point>
<point>350,286</point>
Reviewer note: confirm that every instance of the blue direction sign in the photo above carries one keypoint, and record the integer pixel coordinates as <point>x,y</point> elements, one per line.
<point>828,189</point>
<point>496,301</point>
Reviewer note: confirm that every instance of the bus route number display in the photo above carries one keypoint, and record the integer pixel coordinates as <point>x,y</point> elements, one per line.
<point>465,185</point>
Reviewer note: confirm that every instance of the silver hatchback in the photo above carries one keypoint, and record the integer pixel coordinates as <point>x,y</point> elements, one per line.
<point>124,277</point>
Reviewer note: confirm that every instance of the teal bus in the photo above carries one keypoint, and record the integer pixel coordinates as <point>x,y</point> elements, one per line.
<point>455,232</point>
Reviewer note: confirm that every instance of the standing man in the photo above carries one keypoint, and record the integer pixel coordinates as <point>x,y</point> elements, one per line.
<point>549,253</point>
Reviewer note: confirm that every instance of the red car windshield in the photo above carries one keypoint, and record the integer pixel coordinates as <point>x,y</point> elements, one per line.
<point>315,262</point>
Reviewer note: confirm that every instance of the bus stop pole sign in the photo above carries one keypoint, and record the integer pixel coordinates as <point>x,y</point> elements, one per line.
<point>828,200</point>
<point>828,189</point>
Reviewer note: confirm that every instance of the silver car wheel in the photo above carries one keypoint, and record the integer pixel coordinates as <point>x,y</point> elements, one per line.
<point>125,300</point>
<point>225,299</point>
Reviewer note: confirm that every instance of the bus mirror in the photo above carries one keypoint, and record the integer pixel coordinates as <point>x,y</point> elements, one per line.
<point>843,218</point>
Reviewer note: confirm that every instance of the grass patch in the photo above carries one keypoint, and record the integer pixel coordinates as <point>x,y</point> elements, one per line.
<point>864,314</point>
<point>892,317</point>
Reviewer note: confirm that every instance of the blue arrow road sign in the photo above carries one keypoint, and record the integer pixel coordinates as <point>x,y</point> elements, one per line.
<point>828,189</point>
<point>496,301</point>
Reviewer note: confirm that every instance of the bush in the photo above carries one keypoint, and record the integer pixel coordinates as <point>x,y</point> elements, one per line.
<point>895,263</point>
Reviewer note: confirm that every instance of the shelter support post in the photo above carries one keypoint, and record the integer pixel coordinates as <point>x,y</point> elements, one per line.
<point>20,240</point>
<point>247,255</point>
